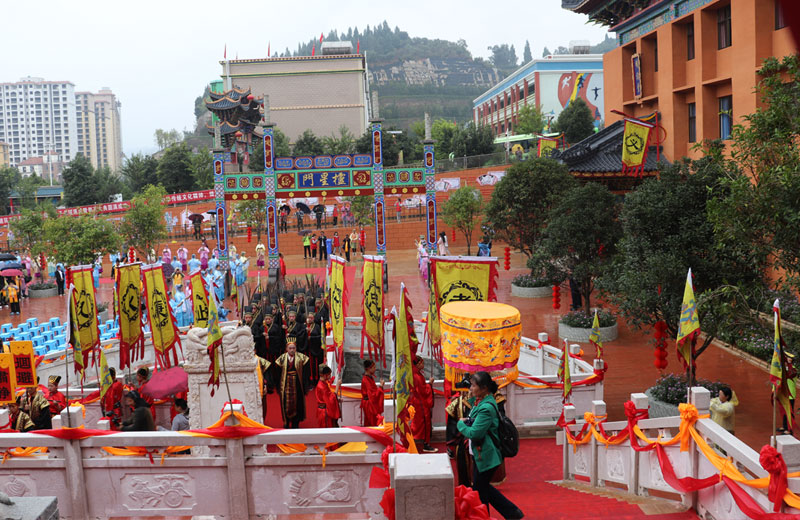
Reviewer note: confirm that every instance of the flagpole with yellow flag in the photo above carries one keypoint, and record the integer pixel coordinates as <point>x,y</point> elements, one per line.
<point>564,375</point>
<point>688,330</point>
<point>778,376</point>
<point>594,337</point>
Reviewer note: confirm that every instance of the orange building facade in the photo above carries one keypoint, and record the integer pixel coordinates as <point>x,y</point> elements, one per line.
<point>696,62</point>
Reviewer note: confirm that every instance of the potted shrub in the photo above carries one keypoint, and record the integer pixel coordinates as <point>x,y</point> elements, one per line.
<point>670,390</point>
<point>42,290</point>
<point>577,326</point>
<point>530,286</point>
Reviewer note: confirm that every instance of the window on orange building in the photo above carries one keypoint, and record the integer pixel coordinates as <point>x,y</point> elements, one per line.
<point>692,111</point>
<point>655,54</point>
<point>690,41</point>
<point>725,117</point>
<point>780,22</point>
<point>724,27</point>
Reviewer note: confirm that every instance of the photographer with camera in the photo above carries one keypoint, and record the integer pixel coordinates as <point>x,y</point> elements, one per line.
<point>482,430</point>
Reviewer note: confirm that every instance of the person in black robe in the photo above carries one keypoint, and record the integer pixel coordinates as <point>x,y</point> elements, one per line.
<point>315,349</point>
<point>257,328</point>
<point>297,330</point>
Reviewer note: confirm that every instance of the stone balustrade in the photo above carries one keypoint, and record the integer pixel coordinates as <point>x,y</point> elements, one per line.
<point>640,472</point>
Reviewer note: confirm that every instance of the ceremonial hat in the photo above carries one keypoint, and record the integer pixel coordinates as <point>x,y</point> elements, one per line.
<point>54,380</point>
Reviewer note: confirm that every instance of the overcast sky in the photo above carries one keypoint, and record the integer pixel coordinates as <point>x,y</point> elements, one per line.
<point>157,56</point>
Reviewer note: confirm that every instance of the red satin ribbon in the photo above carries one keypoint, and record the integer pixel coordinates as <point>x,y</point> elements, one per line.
<point>468,505</point>
<point>773,462</point>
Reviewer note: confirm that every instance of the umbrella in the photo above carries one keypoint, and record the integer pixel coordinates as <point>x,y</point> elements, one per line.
<point>10,272</point>
<point>212,212</point>
<point>196,217</point>
<point>319,208</point>
<point>302,207</point>
<point>7,256</point>
<point>11,265</point>
<point>304,232</point>
<point>166,383</point>
<point>285,207</point>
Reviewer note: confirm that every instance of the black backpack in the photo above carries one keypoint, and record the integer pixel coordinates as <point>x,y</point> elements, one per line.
<point>508,441</point>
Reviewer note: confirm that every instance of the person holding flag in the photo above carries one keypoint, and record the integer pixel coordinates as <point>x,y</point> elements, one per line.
<point>111,394</point>
<point>371,395</point>
<point>422,401</point>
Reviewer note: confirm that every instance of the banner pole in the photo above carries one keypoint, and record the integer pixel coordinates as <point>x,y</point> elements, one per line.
<point>774,419</point>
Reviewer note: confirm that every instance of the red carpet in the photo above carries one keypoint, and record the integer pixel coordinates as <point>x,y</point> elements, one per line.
<point>539,461</point>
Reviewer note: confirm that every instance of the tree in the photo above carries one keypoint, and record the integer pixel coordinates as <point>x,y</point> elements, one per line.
<point>9,177</point>
<point>519,208</point>
<point>546,52</point>
<point>576,121</point>
<point>308,144</point>
<point>279,141</point>
<point>79,240</point>
<point>202,169</point>
<point>28,230</point>
<point>463,211</point>
<point>762,175</point>
<point>527,57</point>
<point>344,143</point>
<point>529,120</point>
<point>472,140</point>
<point>78,178</point>
<point>175,169</point>
<point>166,138</point>
<point>362,207</point>
<point>442,132</point>
<point>504,58</point>
<point>140,170</point>
<point>27,187</point>
<point>580,238</point>
<point>254,214</point>
<point>143,226</point>
<point>666,230</point>
<point>106,185</point>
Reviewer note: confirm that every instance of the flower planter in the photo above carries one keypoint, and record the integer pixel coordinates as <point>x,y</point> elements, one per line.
<point>531,292</point>
<point>660,408</point>
<point>43,293</point>
<point>581,335</point>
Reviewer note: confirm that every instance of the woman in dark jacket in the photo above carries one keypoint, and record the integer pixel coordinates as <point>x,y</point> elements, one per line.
<point>481,428</point>
<point>142,419</point>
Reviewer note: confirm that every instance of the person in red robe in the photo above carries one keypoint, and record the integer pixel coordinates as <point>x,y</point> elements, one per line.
<point>56,399</point>
<point>422,401</point>
<point>328,413</point>
<point>142,377</point>
<point>371,395</point>
<point>112,401</point>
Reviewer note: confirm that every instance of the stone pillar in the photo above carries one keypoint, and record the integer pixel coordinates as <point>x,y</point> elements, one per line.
<point>789,447</point>
<point>701,398</point>
<point>641,402</point>
<point>240,365</point>
<point>238,503</point>
<point>377,183</point>
<point>269,188</point>
<point>219,198</point>
<point>599,410</point>
<point>429,162</point>
<point>424,486</point>
<point>569,415</point>
<point>72,417</point>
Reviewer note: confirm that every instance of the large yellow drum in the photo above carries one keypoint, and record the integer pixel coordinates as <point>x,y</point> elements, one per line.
<point>479,336</point>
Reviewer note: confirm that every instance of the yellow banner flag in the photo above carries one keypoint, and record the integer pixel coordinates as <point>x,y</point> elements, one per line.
<point>338,296</point>
<point>689,325</point>
<point>129,304</point>
<point>372,307</point>
<point>162,323</point>
<point>464,278</point>
<point>546,146</point>
<point>405,348</point>
<point>214,339</point>
<point>8,381</point>
<point>199,300</point>
<point>83,328</point>
<point>594,337</point>
<point>564,375</point>
<point>777,367</point>
<point>634,143</point>
<point>105,376</point>
<point>24,363</point>
<point>433,325</point>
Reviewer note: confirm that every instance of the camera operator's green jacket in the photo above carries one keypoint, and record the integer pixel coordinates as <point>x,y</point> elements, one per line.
<point>483,433</point>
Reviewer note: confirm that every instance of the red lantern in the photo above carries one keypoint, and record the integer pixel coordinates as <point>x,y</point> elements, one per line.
<point>556,297</point>
<point>454,234</point>
<point>238,134</point>
<point>507,258</point>
<point>660,352</point>
<point>249,234</point>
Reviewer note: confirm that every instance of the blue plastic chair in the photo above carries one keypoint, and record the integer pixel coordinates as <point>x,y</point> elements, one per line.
<point>37,341</point>
<point>40,351</point>
<point>23,327</point>
<point>48,336</point>
<point>33,322</point>
<point>44,327</point>
<point>55,322</point>
<point>5,327</point>
<point>61,339</point>
<point>5,335</point>
<point>51,345</point>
